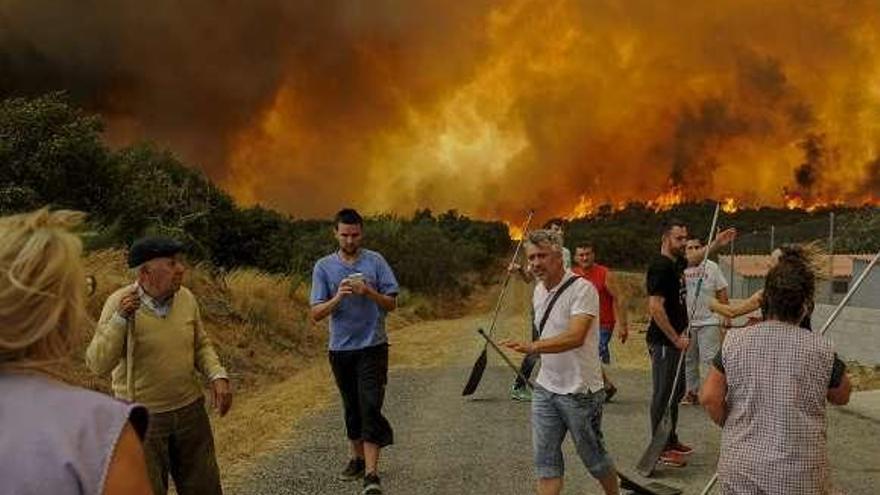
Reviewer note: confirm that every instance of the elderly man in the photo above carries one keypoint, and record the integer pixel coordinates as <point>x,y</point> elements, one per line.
<point>569,394</point>
<point>151,336</point>
<point>355,287</point>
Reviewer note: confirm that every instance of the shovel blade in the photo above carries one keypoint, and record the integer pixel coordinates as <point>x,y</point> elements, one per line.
<point>652,488</point>
<point>476,374</point>
<point>646,464</point>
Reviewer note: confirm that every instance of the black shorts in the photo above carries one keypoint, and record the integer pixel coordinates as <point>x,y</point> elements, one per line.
<point>361,377</point>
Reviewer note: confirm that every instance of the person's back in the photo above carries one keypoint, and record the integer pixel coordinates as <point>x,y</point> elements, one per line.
<point>774,435</point>
<point>56,438</point>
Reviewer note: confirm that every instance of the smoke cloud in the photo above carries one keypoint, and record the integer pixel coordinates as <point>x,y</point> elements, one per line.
<point>489,107</point>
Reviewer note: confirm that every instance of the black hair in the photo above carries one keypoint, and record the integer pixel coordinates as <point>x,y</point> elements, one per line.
<point>585,245</point>
<point>670,223</point>
<point>789,288</point>
<point>349,216</point>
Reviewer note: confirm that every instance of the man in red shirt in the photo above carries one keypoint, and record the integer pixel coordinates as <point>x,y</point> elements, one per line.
<point>610,305</point>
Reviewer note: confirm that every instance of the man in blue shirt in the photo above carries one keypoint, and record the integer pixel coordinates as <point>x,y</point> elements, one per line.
<point>356,288</point>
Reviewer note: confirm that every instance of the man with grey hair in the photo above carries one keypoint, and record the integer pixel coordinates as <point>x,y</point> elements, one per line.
<point>150,335</point>
<point>569,392</point>
<point>519,391</point>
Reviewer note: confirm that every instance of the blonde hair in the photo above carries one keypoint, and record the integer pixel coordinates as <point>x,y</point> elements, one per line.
<point>42,287</point>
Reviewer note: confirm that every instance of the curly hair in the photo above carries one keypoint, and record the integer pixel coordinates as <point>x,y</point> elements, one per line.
<point>810,255</point>
<point>42,287</point>
<point>789,290</point>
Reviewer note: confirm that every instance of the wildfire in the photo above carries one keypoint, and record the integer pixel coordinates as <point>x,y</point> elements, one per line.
<point>482,107</point>
<point>585,208</point>
<point>672,197</point>
<point>729,205</point>
<point>514,231</point>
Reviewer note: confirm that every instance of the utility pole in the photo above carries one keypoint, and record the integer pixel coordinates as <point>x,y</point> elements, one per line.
<point>831,257</point>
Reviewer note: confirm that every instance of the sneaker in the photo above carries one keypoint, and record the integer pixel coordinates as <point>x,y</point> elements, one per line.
<point>372,485</point>
<point>353,471</point>
<point>522,394</point>
<point>609,393</point>
<point>672,459</point>
<point>690,399</point>
<point>680,449</point>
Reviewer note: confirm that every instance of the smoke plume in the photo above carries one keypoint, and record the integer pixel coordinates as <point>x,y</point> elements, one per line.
<point>489,107</point>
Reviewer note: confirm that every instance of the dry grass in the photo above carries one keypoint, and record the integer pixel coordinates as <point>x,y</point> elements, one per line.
<point>275,355</point>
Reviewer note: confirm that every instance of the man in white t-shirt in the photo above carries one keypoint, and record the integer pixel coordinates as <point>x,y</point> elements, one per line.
<point>705,325</point>
<point>569,392</point>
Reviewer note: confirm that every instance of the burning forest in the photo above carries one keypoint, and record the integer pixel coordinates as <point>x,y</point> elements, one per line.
<point>485,107</point>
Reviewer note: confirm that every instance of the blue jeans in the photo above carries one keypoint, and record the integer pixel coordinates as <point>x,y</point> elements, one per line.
<point>605,334</point>
<point>554,415</point>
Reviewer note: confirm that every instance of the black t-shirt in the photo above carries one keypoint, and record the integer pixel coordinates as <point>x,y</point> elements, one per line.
<point>666,279</point>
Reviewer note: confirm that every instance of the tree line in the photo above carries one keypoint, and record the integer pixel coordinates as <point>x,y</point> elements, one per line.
<point>51,152</point>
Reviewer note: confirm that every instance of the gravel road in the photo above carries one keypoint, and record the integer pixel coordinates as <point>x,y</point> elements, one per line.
<point>446,444</point>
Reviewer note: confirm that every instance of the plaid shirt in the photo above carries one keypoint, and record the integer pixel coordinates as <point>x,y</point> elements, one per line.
<point>774,437</point>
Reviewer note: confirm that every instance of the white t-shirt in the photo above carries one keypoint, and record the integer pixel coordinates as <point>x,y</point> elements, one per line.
<point>577,370</point>
<point>712,282</point>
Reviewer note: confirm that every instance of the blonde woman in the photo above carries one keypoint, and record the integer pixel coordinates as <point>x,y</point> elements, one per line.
<point>55,438</point>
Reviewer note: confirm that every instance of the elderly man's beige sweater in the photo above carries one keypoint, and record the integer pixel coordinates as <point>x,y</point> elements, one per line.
<point>168,353</point>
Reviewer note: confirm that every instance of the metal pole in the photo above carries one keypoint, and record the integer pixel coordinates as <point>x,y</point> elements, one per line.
<point>730,275</point>
<point>831,257</point>
<point>772,238</point>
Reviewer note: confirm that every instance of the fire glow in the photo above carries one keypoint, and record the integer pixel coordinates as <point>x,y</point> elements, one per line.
<point>488,108</point>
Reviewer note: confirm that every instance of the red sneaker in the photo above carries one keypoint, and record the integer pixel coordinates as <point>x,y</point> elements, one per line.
<point>690,399</point>
<point>680,449</point>
<point>672,459</point>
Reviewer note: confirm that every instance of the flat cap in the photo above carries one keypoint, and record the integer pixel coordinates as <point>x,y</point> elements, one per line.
<point>147,248</point>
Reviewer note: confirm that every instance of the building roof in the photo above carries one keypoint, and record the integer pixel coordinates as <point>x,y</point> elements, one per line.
<point>757,265</point>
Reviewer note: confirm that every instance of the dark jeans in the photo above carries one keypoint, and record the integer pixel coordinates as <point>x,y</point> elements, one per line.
<point>528,363</point>
<point>180,443</point>
<point>664,360</point>
<point>361,377</point>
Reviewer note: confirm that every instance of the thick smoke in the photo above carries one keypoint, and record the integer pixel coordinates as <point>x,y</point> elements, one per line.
<point>484,106</point>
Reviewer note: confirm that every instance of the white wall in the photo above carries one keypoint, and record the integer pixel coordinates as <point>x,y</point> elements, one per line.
<point>855,333</point>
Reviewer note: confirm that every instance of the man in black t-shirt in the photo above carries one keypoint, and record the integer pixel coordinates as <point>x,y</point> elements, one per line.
<point>669,320</point>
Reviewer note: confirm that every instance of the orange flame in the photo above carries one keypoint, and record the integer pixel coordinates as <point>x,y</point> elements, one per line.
<point>515,232</point>
<point>585,208</point>
<point>672,197</point>
<point>470,114</point>
<point>729,205</point>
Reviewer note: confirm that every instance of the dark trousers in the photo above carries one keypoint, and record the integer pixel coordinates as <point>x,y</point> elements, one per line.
<point>529,362</point>
<point>664,362</point>
<point>361,377</point>
<point>180,443</point>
